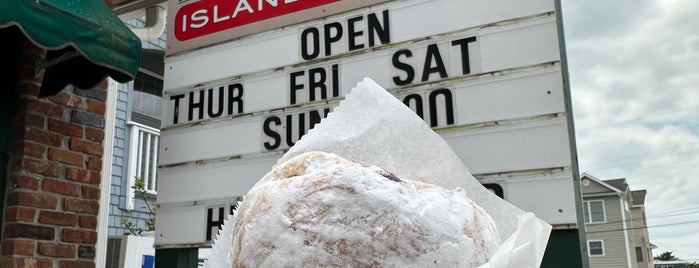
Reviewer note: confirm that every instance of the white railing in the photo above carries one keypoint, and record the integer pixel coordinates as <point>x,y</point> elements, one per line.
<point>143,160</point>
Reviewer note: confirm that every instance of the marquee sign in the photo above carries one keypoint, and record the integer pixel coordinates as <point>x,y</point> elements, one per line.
<point>486,75</point>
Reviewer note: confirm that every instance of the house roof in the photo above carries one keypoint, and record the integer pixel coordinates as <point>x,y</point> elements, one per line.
<point>639,197</point>
<point>616,186</point>
<point>619,184</point>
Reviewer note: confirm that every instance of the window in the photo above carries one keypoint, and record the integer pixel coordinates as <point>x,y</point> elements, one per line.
<point>596,248</point>
<point>593,211</point>
<point>639,254</point>
<point>143,159</point>
<point>147,95</point>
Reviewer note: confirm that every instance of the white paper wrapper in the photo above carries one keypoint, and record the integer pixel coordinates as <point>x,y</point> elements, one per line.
<point>371,126</point>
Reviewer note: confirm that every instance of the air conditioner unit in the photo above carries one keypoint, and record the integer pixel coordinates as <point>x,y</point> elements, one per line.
<point>128,251</point>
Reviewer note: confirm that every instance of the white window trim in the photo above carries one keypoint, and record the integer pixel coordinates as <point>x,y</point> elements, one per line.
<point>137,131</point>
<point>589,212</point>
<point>589,251</point>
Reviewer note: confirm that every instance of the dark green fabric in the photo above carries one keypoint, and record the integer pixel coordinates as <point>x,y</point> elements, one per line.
<point>86,26</point>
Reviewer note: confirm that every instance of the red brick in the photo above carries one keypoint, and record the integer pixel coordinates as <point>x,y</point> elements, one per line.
<point>32,120</point>
<point>66,128</point>
<point>23,262</point>
<point>82,206</point>
<point>37,167</point>
<point>95,106</point>
<point>66,99</point>
<point>79,236</point>
<point>76,174</point>
<point>78,145</point>
<point>88,222</point>
<point>57,250</point>
<point>77,264</point>
<point>42,137</point>
<point>28,231</point>
<point>29,149</point>
<point>25,182</point>
<point>95,177</point>
<point>20,214</point>
<point>60,187</point>
<point>35,200</point>
<point>94,134</point>
<point>57,218</point>
<point>30,89</point>
<point>44,108</point>
<point>66,157</point>
<point>18,247</point>
<point>95,163</point>
<point>82,175</point>
<point>91,193</point>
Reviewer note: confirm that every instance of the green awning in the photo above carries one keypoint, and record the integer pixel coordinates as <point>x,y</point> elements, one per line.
<point>85,40</point>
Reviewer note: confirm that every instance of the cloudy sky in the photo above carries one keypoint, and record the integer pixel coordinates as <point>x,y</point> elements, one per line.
<point>634,71</point>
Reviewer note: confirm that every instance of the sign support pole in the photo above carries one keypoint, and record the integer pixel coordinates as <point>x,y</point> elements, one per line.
<point>570,243</point>
<point>176,258</point>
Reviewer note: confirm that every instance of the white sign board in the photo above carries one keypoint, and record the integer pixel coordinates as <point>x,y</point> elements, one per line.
<point>486,75</point>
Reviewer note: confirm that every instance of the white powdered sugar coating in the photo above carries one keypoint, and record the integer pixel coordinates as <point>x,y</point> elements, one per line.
<point>320,210</point>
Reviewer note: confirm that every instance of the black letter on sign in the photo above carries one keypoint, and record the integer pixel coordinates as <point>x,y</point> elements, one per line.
<point>176,113</point>
<point>383,31</point>
<point>210,223</point>
<point>271,133</point>
<point>353,34</point>
<point>409,71</point>
<point>305,53</point>
<point>316,79</point>
<point>447,101</point>
<point>293,87</point>
<point>198,105</point>
<point>433,53</point>
<point>290,129</point>
<point>465,61</point>
<point>496,189</point>
<point>330,38</point>
<point>235,98</point>
<point>418,104</point>
<point>336,80</point>
<point>210,103</point>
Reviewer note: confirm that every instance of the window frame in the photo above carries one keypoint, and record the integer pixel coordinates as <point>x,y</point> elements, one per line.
<point>138,131</point>
<point>588,215</point>
<point>589,248</point>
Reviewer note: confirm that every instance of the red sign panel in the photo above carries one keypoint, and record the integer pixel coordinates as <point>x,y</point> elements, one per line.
<point>210,16</point>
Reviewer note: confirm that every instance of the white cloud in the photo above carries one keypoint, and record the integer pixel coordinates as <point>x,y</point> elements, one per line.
<point>634,68</point>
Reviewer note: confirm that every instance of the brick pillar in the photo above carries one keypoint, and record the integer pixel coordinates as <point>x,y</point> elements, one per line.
<point>54,174</point>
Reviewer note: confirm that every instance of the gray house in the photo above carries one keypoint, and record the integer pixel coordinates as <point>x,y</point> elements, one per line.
<point>615,222</point>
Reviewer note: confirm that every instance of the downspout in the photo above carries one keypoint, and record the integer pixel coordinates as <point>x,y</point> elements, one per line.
<point>154,26</point>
